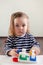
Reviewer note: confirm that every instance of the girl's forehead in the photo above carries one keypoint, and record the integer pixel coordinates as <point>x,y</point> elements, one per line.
<point>20,20</point>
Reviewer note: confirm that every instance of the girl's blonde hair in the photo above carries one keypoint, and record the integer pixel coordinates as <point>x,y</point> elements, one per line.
<point>14,16</point>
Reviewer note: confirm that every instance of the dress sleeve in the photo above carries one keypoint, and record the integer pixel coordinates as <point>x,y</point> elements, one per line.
<point>34,41</point>
<point>8,44</point>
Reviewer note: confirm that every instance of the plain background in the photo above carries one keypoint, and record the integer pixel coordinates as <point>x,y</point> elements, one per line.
<point>33,8</point>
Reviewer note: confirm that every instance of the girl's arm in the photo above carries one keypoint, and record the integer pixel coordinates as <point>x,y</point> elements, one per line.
<point>9,47</point>
<point>35,45</point>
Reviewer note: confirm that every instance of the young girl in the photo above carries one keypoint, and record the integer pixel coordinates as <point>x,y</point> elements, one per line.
<point>19,36</point>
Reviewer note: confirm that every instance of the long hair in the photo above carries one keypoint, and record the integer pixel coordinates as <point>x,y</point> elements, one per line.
<point>14,16</point>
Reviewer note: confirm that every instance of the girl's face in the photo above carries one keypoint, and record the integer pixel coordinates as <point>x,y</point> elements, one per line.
<point>20,26</point>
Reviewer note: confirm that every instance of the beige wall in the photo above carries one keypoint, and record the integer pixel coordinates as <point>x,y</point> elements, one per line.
<point>34,8</point>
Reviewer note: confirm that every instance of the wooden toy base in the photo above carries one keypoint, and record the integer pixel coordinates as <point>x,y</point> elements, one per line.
<point>30,62</point>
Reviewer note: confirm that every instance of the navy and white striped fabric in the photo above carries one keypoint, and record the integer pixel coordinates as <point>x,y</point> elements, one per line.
<point>27,42</point>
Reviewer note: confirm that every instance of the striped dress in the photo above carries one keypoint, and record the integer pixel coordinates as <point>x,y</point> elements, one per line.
<point>14,42</point>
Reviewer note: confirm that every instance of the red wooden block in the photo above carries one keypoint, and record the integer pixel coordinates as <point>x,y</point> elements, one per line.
<point>15,59</point>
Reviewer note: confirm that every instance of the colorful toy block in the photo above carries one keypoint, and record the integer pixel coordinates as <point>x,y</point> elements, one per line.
<point>25,57</point>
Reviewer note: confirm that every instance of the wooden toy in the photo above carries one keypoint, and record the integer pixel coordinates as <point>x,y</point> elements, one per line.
<point>32,55</point>
<point>19,50</point>
<point>15,59</point>
<point>25,57</point>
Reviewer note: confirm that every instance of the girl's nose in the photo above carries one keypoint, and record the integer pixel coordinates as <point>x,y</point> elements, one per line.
<point>21,27</point>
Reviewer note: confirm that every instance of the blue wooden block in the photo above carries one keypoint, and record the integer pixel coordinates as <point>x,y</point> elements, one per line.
<point>32,59</point>
<point>19,50</point>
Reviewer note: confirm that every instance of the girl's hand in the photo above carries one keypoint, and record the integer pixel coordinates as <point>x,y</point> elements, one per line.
<point>37,50</point>
<point>13,52</point>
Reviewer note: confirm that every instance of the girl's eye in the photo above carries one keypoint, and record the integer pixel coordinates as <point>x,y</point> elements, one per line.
<point>17,25</point>
<point>23,25</point>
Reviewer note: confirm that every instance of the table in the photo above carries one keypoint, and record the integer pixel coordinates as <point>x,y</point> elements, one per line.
<point>5,60</point>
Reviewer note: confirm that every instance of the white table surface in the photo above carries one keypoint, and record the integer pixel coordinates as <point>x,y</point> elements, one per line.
<point>5,60</point>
